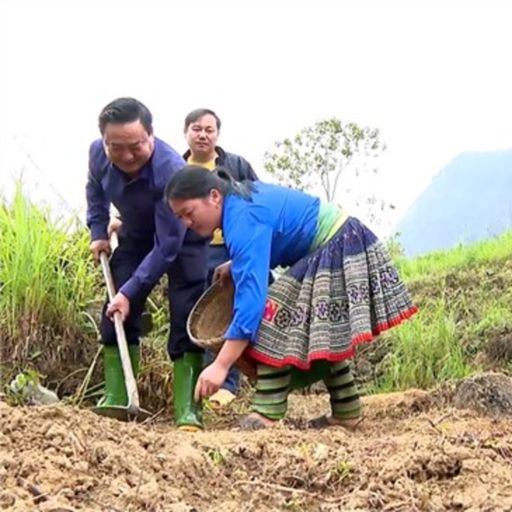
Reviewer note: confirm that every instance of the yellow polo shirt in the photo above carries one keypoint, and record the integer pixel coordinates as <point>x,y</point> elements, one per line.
<point>210,165</point>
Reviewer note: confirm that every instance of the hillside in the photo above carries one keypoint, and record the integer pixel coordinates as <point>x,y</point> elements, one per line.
<point>468,200</point>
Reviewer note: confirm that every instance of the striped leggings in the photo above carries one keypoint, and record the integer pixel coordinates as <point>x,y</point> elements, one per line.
<point>273,386</point>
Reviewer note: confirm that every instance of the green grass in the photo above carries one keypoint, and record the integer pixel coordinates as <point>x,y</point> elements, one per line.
<point>460,257</point>
<point>465,319</point>
<point>51,294</point>
<point>494,316</point>
<point>426,350</point>
<point>46,280</point>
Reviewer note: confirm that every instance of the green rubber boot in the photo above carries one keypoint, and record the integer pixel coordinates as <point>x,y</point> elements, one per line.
<point>115,390</point>
<point>187,413</point>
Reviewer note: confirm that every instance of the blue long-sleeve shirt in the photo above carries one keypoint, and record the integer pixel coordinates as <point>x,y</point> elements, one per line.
<point>275,227</point>
<point>143,209</point>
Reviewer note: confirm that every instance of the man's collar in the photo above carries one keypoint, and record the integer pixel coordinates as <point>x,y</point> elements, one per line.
<point>220,153</point>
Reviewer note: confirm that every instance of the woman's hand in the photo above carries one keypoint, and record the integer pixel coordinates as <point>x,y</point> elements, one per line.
<point>210,380</point>
<point>213,376</point>
<point>222,273</point>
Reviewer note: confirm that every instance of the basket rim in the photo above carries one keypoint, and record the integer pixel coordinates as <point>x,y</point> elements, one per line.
<point>246,366</point>
<point>201,303</point>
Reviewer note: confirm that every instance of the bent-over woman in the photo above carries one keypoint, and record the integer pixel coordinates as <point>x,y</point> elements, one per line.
<point>340,289</point>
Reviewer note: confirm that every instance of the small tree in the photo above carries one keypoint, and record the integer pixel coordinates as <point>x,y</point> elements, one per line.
<point>327,155</point>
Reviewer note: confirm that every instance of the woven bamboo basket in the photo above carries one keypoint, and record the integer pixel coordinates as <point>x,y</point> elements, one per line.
<point>209,320</point>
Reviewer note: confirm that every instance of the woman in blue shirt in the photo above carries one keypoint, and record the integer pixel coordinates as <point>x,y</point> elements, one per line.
<point>340,289</point>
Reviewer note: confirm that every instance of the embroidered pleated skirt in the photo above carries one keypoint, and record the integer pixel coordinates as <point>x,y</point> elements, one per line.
<point>345,292</point>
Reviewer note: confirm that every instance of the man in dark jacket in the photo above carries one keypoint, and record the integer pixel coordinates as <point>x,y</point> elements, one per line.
<point>202,128</point>
<point>129,168</point>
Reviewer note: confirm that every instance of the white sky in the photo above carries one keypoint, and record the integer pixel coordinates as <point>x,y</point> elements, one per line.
<point>433,76</point>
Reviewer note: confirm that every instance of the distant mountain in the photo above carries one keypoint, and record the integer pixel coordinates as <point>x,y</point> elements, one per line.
<point>470,199</point>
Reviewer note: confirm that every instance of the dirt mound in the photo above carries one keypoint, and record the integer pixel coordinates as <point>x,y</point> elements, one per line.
<point>409,454</point>
<point>488,393</point>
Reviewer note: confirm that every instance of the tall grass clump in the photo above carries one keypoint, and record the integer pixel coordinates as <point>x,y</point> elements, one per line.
<point>427,350</point>
<point>47,281</point>
<point>464,295</point>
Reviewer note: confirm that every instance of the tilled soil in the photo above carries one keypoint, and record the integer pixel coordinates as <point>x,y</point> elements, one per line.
<point>412,451</point>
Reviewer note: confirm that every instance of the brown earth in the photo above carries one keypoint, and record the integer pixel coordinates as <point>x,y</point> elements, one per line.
<point>413,451</point>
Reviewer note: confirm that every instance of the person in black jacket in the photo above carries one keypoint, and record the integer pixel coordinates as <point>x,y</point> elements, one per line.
<point>202,128</point>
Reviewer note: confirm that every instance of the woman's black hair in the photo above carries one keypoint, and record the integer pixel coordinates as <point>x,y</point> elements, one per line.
<point>195,182</point>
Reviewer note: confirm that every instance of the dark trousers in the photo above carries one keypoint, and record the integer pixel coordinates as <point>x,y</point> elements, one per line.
<point>187,281</point>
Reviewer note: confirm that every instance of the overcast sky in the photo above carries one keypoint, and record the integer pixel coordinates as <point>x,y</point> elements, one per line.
<point>433,76</point>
